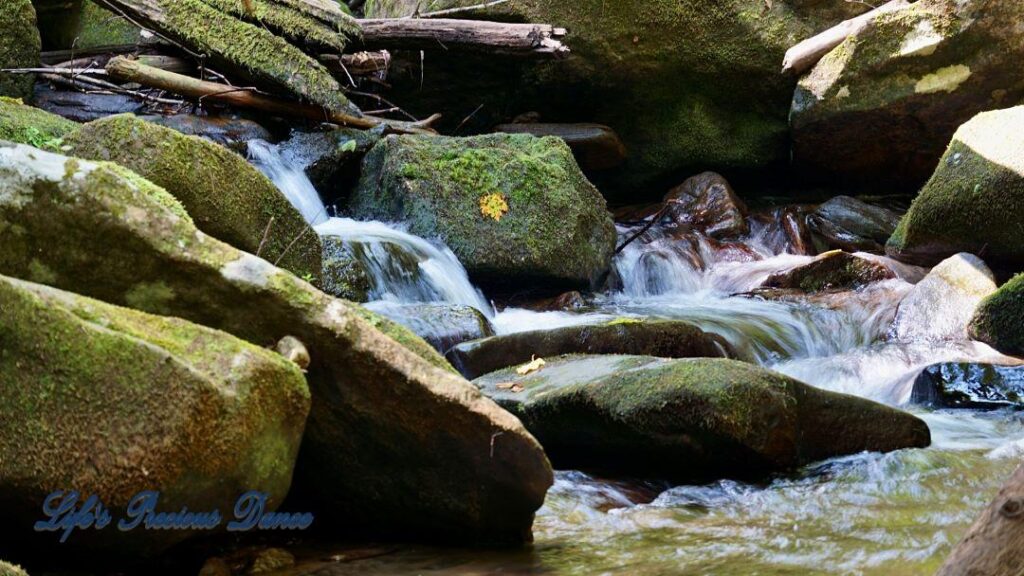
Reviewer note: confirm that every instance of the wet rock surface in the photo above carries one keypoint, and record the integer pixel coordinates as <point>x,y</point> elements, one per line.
<point>444,326</point>
<point>834,270</point>
<point>707,203</point>
<point>849,224</point>
<point>969,385</point>
<point>941,306</point>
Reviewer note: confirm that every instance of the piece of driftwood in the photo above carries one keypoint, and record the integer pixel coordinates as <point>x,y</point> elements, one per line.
<point>806,54</point>
<point>994,545</point>
<point>441,34</point>
<point>132,71</point>
<point>595,146</point>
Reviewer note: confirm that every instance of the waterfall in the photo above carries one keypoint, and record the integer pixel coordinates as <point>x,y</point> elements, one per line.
<point>292,182</point>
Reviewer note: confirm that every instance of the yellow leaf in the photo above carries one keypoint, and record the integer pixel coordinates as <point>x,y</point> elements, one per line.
<point>534,365</point>
<point>493,206</point>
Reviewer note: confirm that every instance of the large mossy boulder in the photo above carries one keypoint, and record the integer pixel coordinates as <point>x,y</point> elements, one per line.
<point>662,338</point>
<point>689,86</point>
<point>19,47</point>
<point>974,201</point>
<point>691,419</point>
<point>27,125</point>
<point>110,401</point>
<point>226,196</point>
<point>999,320</point>
<point>882,106</point>
<point>514,208</point>
<point>396,442</point>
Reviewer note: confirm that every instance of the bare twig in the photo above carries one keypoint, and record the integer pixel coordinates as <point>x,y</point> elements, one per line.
<point>266,234</point>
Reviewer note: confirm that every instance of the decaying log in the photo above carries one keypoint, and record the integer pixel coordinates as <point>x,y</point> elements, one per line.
<point>596,147</point>
<point>491,37</point>
<point>806,54</point>
<point>358,64</point>
<point>994,545</point>
<point>132,71</point>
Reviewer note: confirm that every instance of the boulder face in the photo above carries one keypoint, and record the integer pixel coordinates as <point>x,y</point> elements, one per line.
<point>882,106</point>
<point>834,270</point>
<point>692,419</point>
<point>19,47</point>
<point>687,85</point>
<point>975,200</point>
<point>966,385</point>
<point>23,124</point>
<point>157,403</point>
<point>441,325</point>
<point>226,197</point>
<point>708,203</point>
<point>393,442</point>
<point>662,338</point>
<point>515,209</point>
<point>846,223</point>
<point>999,320</point>
<point>941,306</point>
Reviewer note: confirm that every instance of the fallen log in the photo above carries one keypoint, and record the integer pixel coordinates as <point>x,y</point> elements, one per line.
<point>132,71</point>
<point>994,545</point>
<point>358,64</point>
<point>492,37</point>
<point>806,54</point>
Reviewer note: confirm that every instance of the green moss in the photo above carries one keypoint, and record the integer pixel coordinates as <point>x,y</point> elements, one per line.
<point>27,125</point>
<point>403,336</point>
<point>19,47</point>
<point>100,27</point>
<point>292,23</point>
<point>999,320</point>
<point>226,196</point>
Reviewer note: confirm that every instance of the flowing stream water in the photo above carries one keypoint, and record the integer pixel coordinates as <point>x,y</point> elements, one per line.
<point>891,514</point>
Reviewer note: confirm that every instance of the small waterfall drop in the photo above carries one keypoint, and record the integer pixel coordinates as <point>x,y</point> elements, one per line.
<point>293,183</point>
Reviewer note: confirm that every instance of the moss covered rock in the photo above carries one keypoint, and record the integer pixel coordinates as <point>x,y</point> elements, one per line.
<point>101,27</point>
<point>393,442</point>
<point>835,270</point>
<point>19,47</point>
<point>110,401</point>
<point>662,338</point>
<point>514,208</point>
<point>27,125</point>
<point>11,570</point>
<point>974,201</point>
<point>689,86</point>
<point>999,320</point>
<point>226,196</point>
<point>692,419</point>
<point>883,105</point>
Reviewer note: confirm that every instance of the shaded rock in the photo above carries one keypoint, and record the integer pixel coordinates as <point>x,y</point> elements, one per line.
<point>442,325</point>
<point>707,202</point>
<point>595,147</point>
<point>567,301</point>
<point>27,125</point>
<point>111,402</point>
<point>225,196</point>
<point>344,276</point>
<point>664,338</point>
<point>223,130</point>
<point>331,159</point>
<point>999,320</point>
<point>834,270</point>
<point>271,560</point>
<point>515,209</point>
<point>941,306</point>
<point>101,27</point>
<point>393,441</point>
<point>967,385</point>
<point>849,224</point>
<point>883,105</point>
<point>19,47</point>
<point>975,200</point>
<point>83,106</point>
<point>59,22</point>
<point>692,419</point>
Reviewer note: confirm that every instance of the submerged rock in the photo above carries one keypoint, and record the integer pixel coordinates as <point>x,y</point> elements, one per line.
<point>441,325</point>
<point>344,275</point>
<point>662,338</point>
<point>883,105</point>
<point>941,306</point>
<point>834,270</point>
<point>707,202</point>
<point>396,443</point>
<point>691,419</point>
<point>515,209</point>
<point>974,201</point>
<point>110,401</point>
<point>19,47</point>
<point>227,197</point>
<point>999,320</point>
<point>27,125</point>
<point>967,385</point>
<point>850,224</point>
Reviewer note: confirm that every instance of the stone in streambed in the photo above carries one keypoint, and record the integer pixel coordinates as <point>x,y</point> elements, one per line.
<point>941,306</point>
<point>226,196</point>
<point>849,224</point>
<point>19,47</point>
<point>330,159</point>
<point>110,401</point>
<point>691,419</point>
<point>970,385</point>
<point>999,320</point>
<point>708,203</point>
<point>84,106</point>
<point>664,338</point>
<point>514,208</point>
<point>396,443</point>
<point>344,275</point>
<point>834,270</point>
<point>441,325</point>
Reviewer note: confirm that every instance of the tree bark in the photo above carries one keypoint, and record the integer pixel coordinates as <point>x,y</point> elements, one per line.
<point>806,54</point>
<point>994,546</point>
<point>491,37</point>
